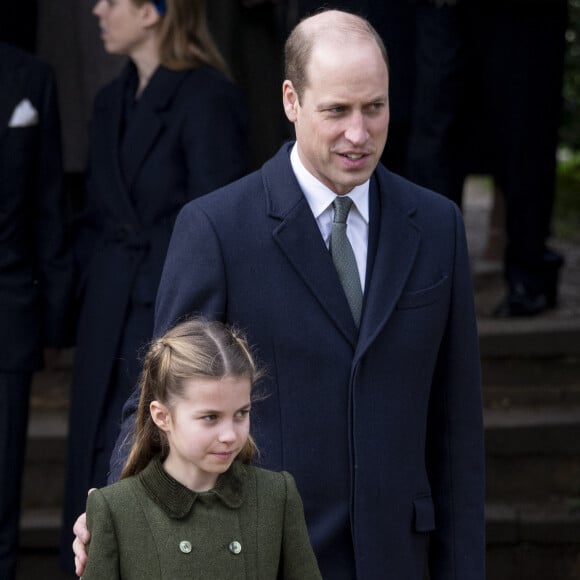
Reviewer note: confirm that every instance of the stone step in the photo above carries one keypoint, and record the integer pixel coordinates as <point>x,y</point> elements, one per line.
<point>541,336</point>
<point>532,454</point>
<point>40,528</point>
<point>40,563</point>
<point>531,382</point>
<point>533,541</point>
<point>44,470</point>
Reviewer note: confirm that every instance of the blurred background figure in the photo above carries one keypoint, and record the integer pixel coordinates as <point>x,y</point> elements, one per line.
<point>35,269</point>
<point>169,128</point>
<point>434,149</point>
<point>516,62</point>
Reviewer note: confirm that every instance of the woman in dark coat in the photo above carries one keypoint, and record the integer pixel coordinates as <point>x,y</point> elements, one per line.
<point>170,128</point>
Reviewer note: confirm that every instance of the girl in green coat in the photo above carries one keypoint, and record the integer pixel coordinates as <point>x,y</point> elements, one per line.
<point>189,504</point>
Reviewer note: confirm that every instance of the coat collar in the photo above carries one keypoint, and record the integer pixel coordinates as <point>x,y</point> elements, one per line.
<point>148,123</point>
<point>177,500</point>
<point>393,242</point>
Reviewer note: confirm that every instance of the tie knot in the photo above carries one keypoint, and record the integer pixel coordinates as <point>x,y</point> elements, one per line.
<point>341,205</point>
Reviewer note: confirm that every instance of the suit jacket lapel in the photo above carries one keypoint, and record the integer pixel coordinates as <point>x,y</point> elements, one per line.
<point>148,122</point>
<point>395,239</point>
<point>299,238</point>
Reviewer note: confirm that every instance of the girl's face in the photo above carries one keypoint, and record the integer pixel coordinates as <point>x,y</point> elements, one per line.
<point>206,429</point>
<point>124,25</point>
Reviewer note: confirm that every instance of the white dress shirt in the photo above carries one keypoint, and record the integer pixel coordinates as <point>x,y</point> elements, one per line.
<point>320,198</point>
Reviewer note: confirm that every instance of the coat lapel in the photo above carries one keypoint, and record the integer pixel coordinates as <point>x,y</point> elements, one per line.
<point>395,238</point>
<point>148,122</point>
<point>299,238</point>
<point>111,116</point>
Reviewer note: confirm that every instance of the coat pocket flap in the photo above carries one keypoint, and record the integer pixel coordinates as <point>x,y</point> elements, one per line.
<point>424,514</point>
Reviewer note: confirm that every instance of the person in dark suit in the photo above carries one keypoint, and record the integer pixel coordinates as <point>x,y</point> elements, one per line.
<point>516,76</point>
<point>35,269</point>
<point>373,395</point>
<point>171,127</point>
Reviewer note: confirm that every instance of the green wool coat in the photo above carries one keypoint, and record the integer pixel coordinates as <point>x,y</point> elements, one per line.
<point>249,527</point>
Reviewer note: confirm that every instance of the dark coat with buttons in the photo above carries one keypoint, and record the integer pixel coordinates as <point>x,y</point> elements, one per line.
<point>249,527</point>
<point>186,137</point>
<point>381,427</point>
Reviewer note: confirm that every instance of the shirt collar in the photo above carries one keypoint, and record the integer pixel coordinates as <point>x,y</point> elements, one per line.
<point>319,196</point>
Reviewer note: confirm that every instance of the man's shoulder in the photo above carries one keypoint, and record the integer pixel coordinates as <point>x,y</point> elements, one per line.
<point>15,59</point>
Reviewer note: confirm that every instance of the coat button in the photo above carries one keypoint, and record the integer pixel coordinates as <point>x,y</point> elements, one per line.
<point>235,547</point>
<point>185,546</point>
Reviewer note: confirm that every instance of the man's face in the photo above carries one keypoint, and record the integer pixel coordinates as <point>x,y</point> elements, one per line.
<point>342,120</point>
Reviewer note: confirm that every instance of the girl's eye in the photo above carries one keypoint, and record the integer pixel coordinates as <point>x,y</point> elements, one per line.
<point>209,418</point>
<point>243,413</point>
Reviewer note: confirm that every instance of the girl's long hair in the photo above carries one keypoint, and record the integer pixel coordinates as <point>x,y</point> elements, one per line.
<point>196,348</point>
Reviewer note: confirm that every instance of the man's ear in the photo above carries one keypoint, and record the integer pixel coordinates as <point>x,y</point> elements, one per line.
<point>160,415</point>
<point>290,100</point>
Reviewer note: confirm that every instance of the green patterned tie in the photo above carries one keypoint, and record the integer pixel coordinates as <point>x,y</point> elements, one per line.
<point>343,257</point>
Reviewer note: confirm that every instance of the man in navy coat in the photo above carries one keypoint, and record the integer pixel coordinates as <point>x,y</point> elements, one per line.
<point>35,272</point>
<point>380,421</point>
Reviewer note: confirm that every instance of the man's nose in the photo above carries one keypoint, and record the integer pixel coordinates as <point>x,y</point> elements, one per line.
<point>356,132</point>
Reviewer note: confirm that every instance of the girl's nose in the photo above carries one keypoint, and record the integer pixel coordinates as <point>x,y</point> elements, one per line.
<point>227,434</point>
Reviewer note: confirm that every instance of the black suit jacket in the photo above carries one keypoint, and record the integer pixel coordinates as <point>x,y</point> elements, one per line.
<point>35,272</point>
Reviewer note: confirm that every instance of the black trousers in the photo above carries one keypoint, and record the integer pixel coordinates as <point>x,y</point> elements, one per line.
<point>14,403</point>
<point>517,60</point>
<point>435,153</point>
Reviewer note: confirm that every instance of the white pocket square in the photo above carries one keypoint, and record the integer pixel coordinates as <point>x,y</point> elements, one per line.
<point>24,115</point>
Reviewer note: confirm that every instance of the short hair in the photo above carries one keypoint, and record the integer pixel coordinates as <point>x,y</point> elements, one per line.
<point>196,348</point>
<point>300,44</point>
